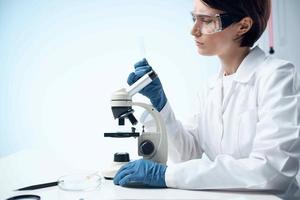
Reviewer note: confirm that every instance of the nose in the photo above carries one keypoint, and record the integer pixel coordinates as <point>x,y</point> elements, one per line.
<point>196,30</point>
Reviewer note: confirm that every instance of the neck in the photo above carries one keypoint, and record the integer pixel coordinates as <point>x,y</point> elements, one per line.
<point>232,59</point>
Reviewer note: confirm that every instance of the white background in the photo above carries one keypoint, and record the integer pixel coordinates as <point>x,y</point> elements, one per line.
<point>61,60</point>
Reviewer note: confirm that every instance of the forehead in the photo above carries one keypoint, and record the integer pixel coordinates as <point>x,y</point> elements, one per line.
<point>201,8</point>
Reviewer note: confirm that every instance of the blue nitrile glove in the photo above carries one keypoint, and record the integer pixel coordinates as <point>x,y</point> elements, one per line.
<point>141,173</point>
<point>154,90</point>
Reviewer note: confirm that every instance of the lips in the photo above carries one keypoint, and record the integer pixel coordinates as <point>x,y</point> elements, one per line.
<point>198,43</point>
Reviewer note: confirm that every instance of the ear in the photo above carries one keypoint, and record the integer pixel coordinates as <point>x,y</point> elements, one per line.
<point>244,25</point>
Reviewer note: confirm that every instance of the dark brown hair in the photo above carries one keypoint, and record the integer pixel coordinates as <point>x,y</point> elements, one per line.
<point>257,10</point>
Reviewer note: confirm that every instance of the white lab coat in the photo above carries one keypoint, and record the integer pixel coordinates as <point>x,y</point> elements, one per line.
<point>251,137</point>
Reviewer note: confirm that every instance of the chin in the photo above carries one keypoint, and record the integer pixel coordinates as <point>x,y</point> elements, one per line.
<point>205,52</point>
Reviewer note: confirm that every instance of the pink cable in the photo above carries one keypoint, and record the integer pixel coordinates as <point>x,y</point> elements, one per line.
<point>271,34</point>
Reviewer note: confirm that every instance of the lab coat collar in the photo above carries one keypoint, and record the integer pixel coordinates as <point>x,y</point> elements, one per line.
<point>246,69</point>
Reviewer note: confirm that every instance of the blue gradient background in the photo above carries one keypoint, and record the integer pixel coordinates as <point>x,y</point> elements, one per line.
<point>61,60</point>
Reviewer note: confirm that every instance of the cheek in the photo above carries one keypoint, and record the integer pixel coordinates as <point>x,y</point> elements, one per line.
<point>215,44</point>
<point>212,45</point>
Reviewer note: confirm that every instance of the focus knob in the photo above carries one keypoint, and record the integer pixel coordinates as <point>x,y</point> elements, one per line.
<point>147,147</point>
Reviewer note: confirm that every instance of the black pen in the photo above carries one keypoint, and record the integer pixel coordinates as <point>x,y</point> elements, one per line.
<point>39,186</point>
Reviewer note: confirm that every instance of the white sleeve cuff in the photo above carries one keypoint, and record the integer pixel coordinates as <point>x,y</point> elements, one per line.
<point>167,113</point>
<point>170,176</point>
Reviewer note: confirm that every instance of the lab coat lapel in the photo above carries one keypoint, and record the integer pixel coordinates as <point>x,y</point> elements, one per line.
<point>215,113</point>
<point>226,99</point>
<point>244,73</point>
<point>216,90</point>
<point>249,65</point>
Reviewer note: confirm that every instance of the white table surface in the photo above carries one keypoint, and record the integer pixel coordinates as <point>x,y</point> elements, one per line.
<point>29,167</point>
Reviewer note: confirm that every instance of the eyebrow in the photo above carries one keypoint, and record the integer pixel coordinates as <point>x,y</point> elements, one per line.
<point>203,13</point>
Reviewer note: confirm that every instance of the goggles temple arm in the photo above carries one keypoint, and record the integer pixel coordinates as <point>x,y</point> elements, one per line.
<point>228,19</point>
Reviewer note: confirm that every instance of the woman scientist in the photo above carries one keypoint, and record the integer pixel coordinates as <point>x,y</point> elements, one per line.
<point>248,121</point>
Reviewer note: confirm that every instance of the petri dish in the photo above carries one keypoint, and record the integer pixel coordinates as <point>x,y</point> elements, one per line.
<point>80,181</point>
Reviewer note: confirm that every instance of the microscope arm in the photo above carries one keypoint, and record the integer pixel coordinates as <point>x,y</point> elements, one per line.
<point>162,149</point>
<point>121,103</point>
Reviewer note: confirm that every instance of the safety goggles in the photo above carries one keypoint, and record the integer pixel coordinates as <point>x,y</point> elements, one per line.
<point>208,24</point>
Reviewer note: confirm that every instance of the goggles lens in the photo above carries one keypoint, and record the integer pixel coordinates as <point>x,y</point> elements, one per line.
<point>211,24</point>
<point>207,24</point>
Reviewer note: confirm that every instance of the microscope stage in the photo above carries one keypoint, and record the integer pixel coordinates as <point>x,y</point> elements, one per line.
<point>122,134</point>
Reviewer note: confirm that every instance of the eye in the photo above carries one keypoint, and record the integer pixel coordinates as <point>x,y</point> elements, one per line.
<point>206,20</point>
<point>194,18</point>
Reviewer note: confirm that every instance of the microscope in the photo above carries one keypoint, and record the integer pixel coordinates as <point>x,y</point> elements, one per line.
<point>151,145</point>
